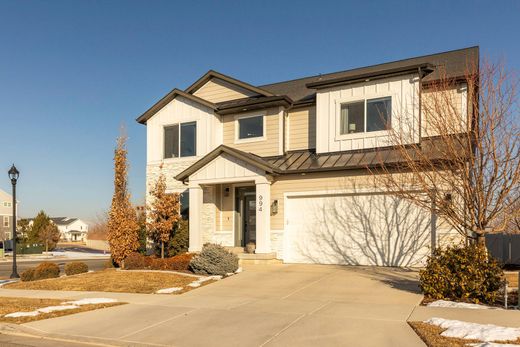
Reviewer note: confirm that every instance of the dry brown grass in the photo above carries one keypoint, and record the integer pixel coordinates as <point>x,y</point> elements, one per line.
<point>431,335</point>
<point>111,280</point>
<point>11,305</point>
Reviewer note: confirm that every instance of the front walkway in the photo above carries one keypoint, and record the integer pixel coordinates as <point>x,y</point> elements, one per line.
<point>272,305</point>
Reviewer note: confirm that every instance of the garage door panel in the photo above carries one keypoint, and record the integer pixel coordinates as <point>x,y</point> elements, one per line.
<point>361,229</point>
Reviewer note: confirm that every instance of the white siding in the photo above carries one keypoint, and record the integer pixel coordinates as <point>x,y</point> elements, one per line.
<point>405,111</point>
<point>180,110</point>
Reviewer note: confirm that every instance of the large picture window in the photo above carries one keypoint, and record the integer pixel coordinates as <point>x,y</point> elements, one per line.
<point>365,116</point>
<point>180,140</point>
<point>250,127</point>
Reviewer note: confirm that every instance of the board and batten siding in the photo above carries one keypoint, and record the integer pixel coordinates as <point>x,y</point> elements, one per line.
<point>217,90</point>
<point>301,128</point>
<point>269,146</point>
<point>404,91</point>
<point>181,110</point>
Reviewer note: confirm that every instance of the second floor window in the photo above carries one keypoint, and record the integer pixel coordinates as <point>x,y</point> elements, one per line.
<point>180,140</point>
<point>7,204</point>
<point>250,127</point>
<point>6,222</point>
<point>365,116</point>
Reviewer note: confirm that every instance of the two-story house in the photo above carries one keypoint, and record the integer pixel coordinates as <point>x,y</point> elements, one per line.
<point>71,229</point>
<point>6,215</point>
<point>286,165</point>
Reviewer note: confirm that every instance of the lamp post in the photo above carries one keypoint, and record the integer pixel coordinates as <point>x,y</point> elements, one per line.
<point>13,175</point>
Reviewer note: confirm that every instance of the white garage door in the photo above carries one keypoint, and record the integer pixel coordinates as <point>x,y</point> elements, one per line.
<point>357,229</point>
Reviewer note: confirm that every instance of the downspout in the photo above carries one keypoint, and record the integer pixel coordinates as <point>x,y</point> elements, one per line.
<point>420,104</point>
<point>284,129</point>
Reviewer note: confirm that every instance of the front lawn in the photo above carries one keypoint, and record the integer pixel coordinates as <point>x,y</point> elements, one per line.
<point>431,335</point>
<point>12,305</point>
<point>111,280</point>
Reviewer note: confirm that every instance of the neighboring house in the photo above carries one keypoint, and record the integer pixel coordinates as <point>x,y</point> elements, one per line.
<point>284,165</point>
<point>6,215</point>
<point>71,229</point>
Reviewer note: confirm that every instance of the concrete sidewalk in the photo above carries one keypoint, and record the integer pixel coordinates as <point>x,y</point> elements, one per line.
<point>276,305</point>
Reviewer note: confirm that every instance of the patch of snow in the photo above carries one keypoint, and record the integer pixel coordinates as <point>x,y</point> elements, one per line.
<point>78,255</point>
<point>22,314</point>
<point>215,277</point>
<point>194,284</point>
<point>453,304</point>
<point>239,270</point>
<point>91,301</point>
<point>491,344</point>
<point>169,290</point>
<point>50,309</point>
<point>482,332</point>
<point>229,274</point>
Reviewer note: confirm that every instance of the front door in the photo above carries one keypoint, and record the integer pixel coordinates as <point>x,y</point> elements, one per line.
<point>249,219</point>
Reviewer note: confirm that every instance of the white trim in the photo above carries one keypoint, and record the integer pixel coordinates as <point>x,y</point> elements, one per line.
<point>251,139</point>
<point>364,134</point>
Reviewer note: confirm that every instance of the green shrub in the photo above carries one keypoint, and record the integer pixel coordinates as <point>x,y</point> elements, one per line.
<point>75,267</point>
<point>463,273</point>
<point>46,270</point>
<point>180,240</point>
<point>214,260</point>
<point>27,275</point>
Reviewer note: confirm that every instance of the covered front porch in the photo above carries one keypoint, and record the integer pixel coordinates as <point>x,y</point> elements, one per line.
<point>229,201</point>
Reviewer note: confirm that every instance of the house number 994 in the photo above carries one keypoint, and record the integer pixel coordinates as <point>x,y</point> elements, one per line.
<point>260,203</point>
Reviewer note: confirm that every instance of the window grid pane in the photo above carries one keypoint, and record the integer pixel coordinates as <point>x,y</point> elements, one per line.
<point>188,139</point>
<point>378,114</point>
<point>171,141</point>
<point>352,118</point>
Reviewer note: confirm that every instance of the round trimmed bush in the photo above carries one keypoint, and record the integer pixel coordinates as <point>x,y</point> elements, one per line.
<point>75,268</point>
<point>462,273</point>
<point>27,275</point>
<point>214,260</point>
<point>46,270</point>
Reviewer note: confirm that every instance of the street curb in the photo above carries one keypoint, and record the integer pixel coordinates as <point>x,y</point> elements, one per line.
<point>25,331</point>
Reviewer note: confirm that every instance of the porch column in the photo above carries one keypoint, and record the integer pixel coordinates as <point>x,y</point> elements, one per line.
<point>195,218</point>
<point>263,216</point>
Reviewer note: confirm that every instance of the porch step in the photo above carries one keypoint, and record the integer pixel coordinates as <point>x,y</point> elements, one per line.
<point>236,250</point>
<point>262,258</point>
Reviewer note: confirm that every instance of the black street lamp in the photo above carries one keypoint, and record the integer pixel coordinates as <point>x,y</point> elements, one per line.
<point>13,175</point>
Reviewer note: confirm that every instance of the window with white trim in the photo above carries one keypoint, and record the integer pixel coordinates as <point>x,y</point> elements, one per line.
<point>6,222</point>
<point>7,204</point>
<point>250,127</point>
<point>180,140</point>
<point>365,116</point>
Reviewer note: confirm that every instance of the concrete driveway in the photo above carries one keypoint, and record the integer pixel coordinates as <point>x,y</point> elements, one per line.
<point>275,305</point>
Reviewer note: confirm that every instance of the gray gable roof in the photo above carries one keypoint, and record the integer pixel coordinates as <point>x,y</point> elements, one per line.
<point>454,62</point>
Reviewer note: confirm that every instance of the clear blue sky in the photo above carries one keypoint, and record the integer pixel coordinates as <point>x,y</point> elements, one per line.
<point>71,72</point>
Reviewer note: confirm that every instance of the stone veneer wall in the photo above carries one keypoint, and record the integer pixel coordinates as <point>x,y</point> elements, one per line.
<point>169,170</point>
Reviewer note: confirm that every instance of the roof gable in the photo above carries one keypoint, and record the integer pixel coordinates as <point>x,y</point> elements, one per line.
<point>211,74</point>
<point>253,161</point>
<point>169,97</point>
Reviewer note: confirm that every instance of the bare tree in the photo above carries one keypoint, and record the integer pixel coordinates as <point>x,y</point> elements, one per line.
<point>467,163</point>
<point>99,229</point>
<point>49,235</point>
